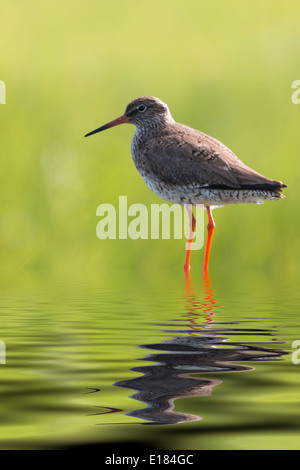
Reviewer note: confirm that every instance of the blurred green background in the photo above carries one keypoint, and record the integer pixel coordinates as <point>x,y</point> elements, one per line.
<point>225,68</point>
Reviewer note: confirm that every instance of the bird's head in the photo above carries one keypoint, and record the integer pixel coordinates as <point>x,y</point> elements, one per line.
<point>146,111</point>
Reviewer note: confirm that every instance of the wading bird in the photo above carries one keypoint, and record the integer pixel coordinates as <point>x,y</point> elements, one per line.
<point>185,166</point>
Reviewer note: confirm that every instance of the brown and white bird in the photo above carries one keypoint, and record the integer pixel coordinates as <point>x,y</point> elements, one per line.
<point>185,166</point>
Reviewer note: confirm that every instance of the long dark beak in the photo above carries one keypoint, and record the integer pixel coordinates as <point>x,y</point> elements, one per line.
<point>115,122</point>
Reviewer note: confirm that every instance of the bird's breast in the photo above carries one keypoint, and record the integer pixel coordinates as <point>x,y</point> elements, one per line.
<point>143,158</point>
<point>139,150</point>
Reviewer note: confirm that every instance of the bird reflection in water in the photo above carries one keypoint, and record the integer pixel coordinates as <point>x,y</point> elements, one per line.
<point>199,349</point>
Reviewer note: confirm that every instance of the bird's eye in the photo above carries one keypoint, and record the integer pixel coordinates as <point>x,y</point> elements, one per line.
<point>142,108</point>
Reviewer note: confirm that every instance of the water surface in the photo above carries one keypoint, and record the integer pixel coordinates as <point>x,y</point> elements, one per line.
<point>194,365</point>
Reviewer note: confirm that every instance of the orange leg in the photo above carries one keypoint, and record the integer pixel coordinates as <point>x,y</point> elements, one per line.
<point>210,231</point>
<point>192,229</point>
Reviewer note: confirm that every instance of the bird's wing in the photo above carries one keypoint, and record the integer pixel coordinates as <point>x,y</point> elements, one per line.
<point>186,156</point>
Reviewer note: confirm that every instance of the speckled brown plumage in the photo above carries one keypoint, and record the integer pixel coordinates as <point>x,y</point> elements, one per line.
<point>186,166</point>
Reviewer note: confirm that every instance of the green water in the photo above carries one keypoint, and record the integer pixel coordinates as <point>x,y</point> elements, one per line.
<point>208,366</point>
